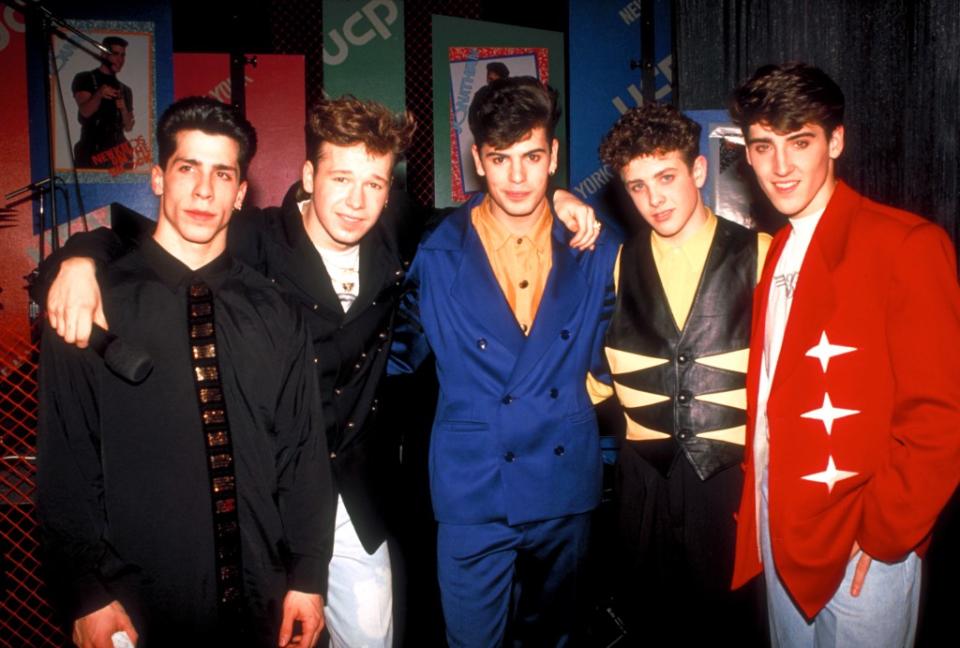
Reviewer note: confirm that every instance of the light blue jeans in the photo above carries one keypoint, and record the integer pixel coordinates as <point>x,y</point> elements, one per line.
<point>884,615</point>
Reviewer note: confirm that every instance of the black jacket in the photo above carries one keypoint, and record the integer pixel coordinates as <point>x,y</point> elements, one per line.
<point>351,348</point>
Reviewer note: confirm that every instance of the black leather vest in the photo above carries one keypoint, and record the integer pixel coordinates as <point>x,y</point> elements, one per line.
<point>718,323</point>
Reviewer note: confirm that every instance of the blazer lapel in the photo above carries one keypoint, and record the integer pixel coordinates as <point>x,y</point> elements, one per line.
<point>815,299</point>
<point>761,298</point>
<point>476,290</point>
<point>812,305</point>
<point>304,266</point>
<point>376,269</point>
<point>565,291</point>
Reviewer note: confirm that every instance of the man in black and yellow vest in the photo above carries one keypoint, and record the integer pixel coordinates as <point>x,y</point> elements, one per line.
<point>677,348</point>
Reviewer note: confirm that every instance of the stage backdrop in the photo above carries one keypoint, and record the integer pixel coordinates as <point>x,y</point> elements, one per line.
<point>363,51</point>
<point>275,106</point>
<point>462,51</point>
<point>24,133</point>
<point>605,37</point>
<point>18,243</point>
<point>148,71</point>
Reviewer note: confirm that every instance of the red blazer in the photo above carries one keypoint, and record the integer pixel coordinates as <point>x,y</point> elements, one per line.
<point>882,284</point>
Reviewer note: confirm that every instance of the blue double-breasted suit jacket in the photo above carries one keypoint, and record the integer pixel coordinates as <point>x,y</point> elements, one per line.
<point>515,435</point>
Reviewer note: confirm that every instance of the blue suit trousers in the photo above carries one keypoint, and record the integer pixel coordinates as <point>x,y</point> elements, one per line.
<point>513,585</point>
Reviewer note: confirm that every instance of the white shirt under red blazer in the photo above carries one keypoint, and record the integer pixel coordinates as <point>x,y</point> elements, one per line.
<point>864,406</point>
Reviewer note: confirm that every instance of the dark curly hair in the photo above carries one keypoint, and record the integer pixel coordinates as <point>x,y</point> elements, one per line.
<point>650,129</point>
<point>504,111</point>
<point>347,121</point>
<point>787,96</point>
<point>209,116</point>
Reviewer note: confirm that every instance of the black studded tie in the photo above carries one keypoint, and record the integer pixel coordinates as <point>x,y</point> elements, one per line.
<point>216,434</point>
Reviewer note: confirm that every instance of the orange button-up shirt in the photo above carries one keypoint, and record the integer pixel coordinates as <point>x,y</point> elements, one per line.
<point>521,264</point>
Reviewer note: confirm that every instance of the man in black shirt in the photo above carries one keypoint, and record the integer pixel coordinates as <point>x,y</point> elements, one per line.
<point>105,111</point>
<point>193,508</point>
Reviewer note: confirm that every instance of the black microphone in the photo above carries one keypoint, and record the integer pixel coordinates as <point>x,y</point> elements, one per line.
<point>130,362</point>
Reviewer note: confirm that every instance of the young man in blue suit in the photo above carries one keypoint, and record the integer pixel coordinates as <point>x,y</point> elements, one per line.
<point>516,321</point>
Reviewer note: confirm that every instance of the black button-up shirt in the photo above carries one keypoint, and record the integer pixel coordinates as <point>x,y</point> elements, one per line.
<point>123,488</point>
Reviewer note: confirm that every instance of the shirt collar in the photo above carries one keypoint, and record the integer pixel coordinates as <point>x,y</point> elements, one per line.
<point>695,247</point>
<point>498,235</point>
<point>174,273</point>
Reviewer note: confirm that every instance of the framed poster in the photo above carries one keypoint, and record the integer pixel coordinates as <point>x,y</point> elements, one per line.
<point>466,53</point>
<point>471,68</point>
<point>117,167</point>
<point>104,111</point>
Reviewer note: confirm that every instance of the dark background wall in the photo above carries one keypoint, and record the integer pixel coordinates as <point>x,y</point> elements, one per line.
<point>296,27</point>
<point>898,62</point>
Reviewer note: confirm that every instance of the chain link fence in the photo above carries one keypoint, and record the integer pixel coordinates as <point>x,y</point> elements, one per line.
<point>26,619</point>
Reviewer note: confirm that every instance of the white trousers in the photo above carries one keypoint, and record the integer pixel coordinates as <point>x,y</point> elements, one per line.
<point>359,606</point>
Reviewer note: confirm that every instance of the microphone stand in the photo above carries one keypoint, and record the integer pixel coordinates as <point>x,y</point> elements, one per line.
<point>51,25</point>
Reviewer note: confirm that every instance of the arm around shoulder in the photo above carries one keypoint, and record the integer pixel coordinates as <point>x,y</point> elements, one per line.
<point>409,347</point>
<point>249,232</point>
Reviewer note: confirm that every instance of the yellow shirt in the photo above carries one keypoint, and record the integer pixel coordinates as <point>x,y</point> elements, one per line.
<point>679,268</point>
<point>521,264</point>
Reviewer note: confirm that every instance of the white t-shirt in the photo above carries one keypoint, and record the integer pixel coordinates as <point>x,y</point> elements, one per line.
<point>779,302</point>
<point>343,266</point>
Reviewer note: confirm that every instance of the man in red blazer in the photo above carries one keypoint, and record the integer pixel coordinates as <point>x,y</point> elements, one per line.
<point>853,387</point>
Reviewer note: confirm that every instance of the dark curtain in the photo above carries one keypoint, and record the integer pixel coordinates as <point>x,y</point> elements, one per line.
<point>898,62</point>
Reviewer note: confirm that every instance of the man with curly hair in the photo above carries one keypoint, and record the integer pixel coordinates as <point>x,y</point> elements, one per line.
<point>677,350</point>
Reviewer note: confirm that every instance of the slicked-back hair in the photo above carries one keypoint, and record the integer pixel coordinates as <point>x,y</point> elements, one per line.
<point>504,111</point>
<point>347,121</point>
<point>211,117</point>
<point>785,97</point>
<point>650,129</point>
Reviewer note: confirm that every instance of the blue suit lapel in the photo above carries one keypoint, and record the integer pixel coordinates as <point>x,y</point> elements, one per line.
<point>565,291</point>
<point>476,290</point>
